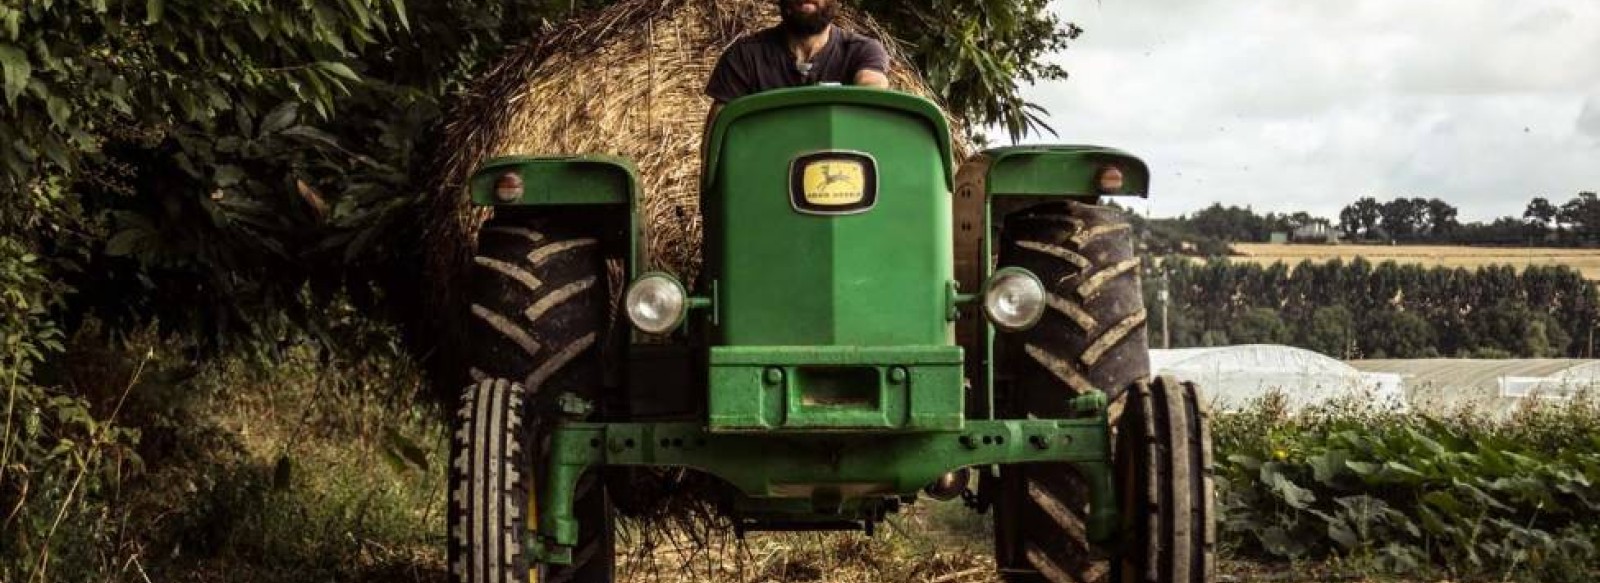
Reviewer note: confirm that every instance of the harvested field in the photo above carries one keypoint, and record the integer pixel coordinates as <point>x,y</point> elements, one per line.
<point>1586,261</point>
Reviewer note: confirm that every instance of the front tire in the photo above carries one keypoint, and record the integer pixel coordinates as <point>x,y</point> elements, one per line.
<point>490,483</point>
<point>1165,486</point>
<point>539,307</point>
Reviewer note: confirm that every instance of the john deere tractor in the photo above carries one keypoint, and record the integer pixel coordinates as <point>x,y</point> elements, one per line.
<point>872,326</point>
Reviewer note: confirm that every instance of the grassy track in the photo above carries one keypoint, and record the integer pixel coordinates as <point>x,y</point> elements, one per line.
<point>1585,260</point>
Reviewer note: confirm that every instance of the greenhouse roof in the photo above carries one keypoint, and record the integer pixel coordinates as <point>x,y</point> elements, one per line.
<point>1249,356</point>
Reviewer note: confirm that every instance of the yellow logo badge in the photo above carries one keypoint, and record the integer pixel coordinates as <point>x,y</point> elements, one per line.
<point>834,182</point>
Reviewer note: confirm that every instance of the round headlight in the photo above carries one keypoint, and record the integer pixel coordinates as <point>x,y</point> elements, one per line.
<point>1014,299</point>
<point>656,304</point>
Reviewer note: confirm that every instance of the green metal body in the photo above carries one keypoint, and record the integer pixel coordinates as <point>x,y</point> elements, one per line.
<point>567,181</point>
<point>787,278</point>
<point>1057,171</point>
<point>825,316</point>
<point>818,476</point>
<point>902,388</point>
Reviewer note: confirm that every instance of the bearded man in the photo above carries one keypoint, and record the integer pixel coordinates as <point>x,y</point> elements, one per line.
<point>804,49</point>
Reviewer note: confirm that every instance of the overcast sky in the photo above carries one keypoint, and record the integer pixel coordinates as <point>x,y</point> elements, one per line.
<point>1289,105</point>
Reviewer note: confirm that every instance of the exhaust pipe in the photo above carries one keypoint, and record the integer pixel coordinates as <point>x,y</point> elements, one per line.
<point>950,485</point>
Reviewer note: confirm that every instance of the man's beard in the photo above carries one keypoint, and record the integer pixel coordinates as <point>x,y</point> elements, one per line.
<point>799,24</point>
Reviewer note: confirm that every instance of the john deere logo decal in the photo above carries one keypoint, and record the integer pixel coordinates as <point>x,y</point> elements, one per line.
<point>833,183</point>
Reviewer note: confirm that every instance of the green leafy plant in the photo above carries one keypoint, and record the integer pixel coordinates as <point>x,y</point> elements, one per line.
<point>1413,494</point>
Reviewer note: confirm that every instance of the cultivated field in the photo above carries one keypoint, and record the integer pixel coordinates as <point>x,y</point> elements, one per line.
<point>1586,261</point>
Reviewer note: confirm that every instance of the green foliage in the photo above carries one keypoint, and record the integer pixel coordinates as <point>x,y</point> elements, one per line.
<point>1331,332</point>
<point>1418,220</point>
<point>1414,495</point>
<point>1208,232</point>
<point>1392,333</point>
<point>306,467</point>
<point>976,54</point>
<point>79,73</point>
<point>1259,326</point>
<point>62,460</point>
<point>1400,311</point>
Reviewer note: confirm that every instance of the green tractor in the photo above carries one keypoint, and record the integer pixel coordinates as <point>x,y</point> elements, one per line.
<point>872,325</point>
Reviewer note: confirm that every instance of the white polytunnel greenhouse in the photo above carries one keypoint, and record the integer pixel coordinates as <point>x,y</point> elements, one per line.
<point>1233,377</point>
<point>1491,387</point>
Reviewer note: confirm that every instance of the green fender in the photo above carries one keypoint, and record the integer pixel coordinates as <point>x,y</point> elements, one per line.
<point>566,181</point>
<point>1055,171</point>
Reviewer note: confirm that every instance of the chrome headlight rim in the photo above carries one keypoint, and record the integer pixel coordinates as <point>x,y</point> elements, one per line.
<point>632,297</point>
<point>1001,276</point>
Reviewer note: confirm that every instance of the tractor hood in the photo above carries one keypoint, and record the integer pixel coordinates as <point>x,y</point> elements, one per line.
<point>828,219</point>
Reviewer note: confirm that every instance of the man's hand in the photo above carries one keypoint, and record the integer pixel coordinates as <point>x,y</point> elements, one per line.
<point>871,78</point>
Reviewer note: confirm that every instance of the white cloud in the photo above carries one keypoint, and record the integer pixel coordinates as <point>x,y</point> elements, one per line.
<point>1589,118</point>
<point>1308,104</point>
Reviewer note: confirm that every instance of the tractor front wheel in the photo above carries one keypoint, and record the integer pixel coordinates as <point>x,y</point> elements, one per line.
<point>490,485</point>
<point>539,313</point>
<point>1164,486</point>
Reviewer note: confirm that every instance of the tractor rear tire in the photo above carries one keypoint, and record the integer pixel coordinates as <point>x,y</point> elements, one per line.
<point>539,308</point>
<point>1092,336</point>
<point>1164,486</point>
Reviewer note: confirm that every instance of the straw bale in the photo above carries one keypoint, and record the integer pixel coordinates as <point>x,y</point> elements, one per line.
<point>627,81</point>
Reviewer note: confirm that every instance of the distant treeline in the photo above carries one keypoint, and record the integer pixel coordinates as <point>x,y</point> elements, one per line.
<point>1575,223</point>
<point>1361,310</point>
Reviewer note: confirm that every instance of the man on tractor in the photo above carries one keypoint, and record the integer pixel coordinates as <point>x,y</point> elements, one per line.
<point>805,49</point>
<point>873,323</point>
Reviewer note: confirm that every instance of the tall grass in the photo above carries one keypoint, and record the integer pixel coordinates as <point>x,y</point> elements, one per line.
<point>135,464</point>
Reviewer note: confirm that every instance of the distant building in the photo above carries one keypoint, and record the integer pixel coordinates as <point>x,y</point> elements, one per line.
<point>1278,238</point>
<point>1319,233</point>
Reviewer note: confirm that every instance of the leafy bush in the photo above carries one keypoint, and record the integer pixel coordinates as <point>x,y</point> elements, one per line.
<point>1413,493</point>
<point>61,464</point>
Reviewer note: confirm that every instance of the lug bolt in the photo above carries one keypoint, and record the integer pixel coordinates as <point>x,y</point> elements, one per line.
<point>897,375</point>
<point>774,376</point>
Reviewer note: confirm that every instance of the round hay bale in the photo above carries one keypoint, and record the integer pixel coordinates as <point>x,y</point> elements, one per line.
<point>628,81</point>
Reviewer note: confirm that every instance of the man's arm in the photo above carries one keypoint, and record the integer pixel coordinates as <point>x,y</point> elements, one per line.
<point>871,78</point>
<point>872,66</point>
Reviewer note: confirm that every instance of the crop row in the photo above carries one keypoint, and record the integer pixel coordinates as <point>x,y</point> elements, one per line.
<point>1415,494</point>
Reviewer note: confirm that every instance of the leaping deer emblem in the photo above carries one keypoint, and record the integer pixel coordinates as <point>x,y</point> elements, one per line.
<point>829,178</point>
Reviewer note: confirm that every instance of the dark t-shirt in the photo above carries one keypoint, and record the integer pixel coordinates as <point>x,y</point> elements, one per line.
<point>762,62</point>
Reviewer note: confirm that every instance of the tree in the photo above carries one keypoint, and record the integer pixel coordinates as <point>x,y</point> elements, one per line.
<point>1582,214</point>
<point>1331,331</point>
<point>1301,219</point>
<point>1395,334</point>
<point>1361,217</point>
<point>1441,219</point>
<point>1259,325</point>
<point>1401,217</point>
<point>977,54</point>
<point>1540,213</point>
